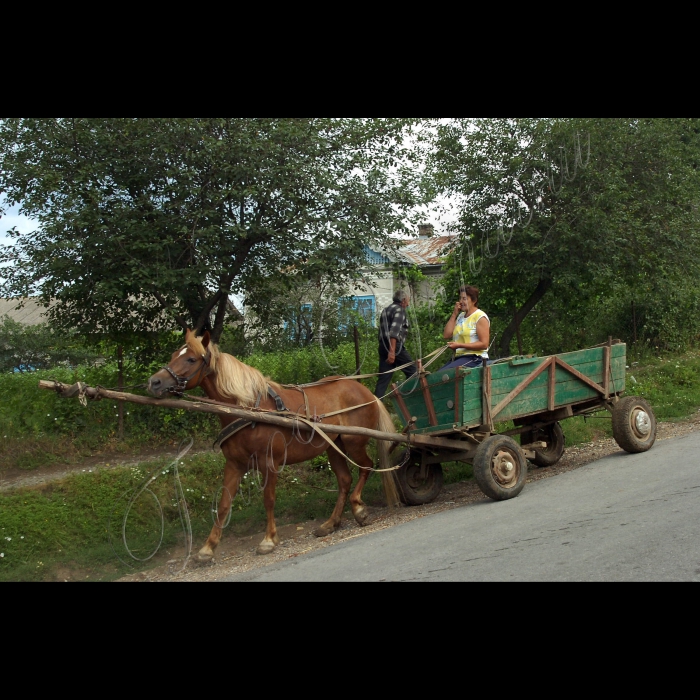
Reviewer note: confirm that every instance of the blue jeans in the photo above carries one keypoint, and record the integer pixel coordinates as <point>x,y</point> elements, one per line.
<point>465,361</point>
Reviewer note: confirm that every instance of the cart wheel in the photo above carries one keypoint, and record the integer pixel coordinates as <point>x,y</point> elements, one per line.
<point>553,435</point>
<point>633,424</point>
<point>414,491</point>
<point>500,467</point>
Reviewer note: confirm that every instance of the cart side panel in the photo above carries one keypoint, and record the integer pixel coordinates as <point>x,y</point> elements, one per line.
<point>505,378</point>
<point>569,389</point>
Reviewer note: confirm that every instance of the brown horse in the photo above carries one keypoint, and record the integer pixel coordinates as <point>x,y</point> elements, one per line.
<point>268,447</point>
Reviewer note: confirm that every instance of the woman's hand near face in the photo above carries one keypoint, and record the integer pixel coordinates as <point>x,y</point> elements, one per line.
<point>452,321</point>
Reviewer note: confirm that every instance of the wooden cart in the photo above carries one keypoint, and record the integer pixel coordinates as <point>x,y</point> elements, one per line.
<point>466,409</point>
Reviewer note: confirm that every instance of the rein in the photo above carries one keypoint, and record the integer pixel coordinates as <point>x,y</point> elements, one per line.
<point>433,355</point>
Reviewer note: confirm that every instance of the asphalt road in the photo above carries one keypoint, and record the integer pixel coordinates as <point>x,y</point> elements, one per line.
<point>623,518</point>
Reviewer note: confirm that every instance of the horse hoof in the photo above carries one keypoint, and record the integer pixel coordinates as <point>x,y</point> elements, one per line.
<point>361,516</point>
<point>265,547</point>
<point>325,530</point>
<point>205,556</point>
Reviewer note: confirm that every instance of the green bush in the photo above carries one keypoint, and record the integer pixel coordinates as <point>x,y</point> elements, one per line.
<point>39,427</point>
<point>25,348</point>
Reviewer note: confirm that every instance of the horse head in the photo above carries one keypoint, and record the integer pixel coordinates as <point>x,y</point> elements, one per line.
<point>187,368</point>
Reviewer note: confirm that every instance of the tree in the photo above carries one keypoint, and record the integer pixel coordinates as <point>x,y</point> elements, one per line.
<point>26,348</point>
<point>572,207</point>
<point>146,217</point>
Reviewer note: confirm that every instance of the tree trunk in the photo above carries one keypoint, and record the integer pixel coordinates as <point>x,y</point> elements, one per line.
<point>542,286</point>
<point>517,331</point>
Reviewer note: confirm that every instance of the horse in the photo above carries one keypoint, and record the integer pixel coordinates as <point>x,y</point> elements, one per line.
<point>334,401</point>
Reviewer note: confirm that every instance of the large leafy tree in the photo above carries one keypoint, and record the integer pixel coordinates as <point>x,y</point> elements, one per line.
<point>148,222</point>
<point>570,207</point>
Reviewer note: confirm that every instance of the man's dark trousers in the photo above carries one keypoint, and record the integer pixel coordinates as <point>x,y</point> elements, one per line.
<point>402,358</point>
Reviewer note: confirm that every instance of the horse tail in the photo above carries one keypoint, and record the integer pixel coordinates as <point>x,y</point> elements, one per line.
<point>386,425</point>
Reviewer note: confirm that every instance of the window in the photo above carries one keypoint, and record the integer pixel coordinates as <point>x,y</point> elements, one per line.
<point>365,306</point>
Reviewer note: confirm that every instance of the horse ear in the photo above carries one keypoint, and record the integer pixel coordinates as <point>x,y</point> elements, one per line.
<point>206,338</point>
<point>188,334</point>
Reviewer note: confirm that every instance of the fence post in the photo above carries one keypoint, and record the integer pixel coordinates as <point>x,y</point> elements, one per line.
<point>120,384</point>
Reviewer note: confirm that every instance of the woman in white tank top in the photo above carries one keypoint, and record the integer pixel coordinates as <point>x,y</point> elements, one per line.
<point>468,330</point>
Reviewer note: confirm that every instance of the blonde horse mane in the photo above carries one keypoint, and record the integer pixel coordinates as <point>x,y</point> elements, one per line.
<point>234,379</point>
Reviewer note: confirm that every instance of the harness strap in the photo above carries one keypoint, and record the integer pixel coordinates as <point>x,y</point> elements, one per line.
<point>237,425</point>
<point>231,430</point>
<point>306,404</point>
<point>257,405</point>
<point>345,410</point>
<point>278,401</point>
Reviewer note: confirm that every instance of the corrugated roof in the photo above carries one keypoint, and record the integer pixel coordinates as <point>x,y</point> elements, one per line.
<point>26,311</point>
<point>427,251</point>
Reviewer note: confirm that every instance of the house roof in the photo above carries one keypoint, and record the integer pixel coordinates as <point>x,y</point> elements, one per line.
<point>32,313</point>
<point>25,311</point>
<point>427,251</point>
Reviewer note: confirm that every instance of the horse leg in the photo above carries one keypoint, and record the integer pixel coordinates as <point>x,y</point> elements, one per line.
<point>357,451</point>
<point>271,539</point>
<point>340,468</point>
<point>232,480</point>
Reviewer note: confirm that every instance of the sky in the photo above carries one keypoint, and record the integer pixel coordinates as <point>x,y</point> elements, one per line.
<point>11,218</point>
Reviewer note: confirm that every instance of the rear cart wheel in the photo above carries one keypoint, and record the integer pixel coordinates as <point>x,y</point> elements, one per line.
<point>500,467</point>
<point>553,435</point>
<point>634,424</point>
<point>414,490</point>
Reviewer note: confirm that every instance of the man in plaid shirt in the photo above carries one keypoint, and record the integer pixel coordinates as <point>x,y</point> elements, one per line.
<point>393,328</point>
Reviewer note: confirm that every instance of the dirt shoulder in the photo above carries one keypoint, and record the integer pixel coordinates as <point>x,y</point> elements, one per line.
<point>21,478</point>
<point>237,554</point>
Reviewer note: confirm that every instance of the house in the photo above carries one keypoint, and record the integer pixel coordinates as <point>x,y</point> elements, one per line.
<point>28,312</point>
<point>381,281</point>
<point>312,307</point>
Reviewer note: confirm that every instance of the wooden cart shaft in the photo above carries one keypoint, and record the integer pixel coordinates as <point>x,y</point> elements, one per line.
<point>256,415</point>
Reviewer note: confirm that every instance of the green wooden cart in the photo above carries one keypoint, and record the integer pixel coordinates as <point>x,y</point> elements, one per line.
<point>460,410</point>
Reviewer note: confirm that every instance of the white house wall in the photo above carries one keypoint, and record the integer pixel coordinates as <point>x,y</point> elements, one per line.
<point>382,286</point>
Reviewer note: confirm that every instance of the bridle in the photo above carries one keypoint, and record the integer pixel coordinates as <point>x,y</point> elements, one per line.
<point>181,382</point>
